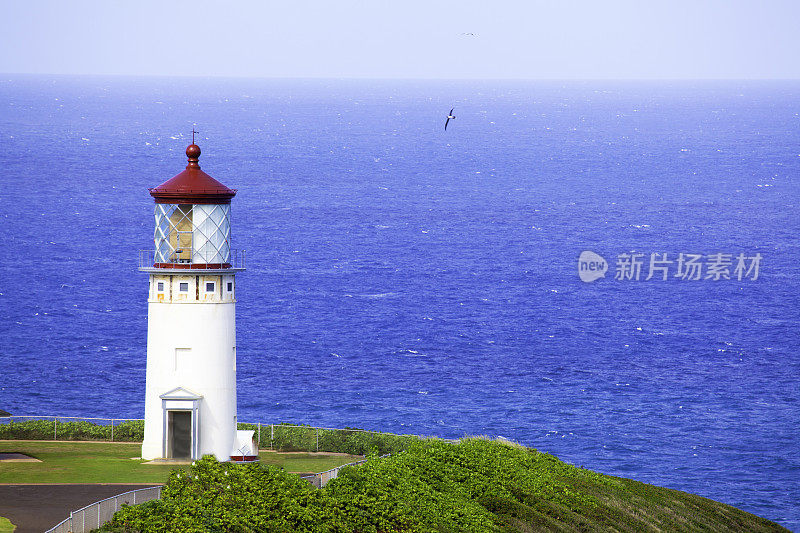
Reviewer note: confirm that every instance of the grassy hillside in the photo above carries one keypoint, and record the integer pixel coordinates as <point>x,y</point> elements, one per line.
<point>472,486</point>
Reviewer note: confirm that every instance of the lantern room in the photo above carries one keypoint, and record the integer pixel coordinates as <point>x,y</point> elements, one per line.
<point>192,219</point>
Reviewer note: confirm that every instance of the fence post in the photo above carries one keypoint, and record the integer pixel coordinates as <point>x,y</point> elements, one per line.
<point>98,515</point>
<point>271,435</point>
<point>317,439</point>
<point>112,430</point>
<point>71,526</point>
<point>259,434</point>
<point>55,428</point>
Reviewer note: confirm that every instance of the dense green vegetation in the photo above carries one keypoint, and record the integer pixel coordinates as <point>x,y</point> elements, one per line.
<point>289,437</point>
<point>105,462</point>
<point>473,486</point>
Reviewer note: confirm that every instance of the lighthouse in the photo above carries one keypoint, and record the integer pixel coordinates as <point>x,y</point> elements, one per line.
<point>190,394</point>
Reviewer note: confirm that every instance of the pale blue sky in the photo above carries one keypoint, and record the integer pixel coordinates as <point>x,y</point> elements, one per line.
<point>559,39</point>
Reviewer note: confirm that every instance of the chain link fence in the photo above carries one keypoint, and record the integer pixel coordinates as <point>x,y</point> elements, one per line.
<point>95,515</point>
<point>275,437</point>
<point>301,438</point>
<point>322,479</point>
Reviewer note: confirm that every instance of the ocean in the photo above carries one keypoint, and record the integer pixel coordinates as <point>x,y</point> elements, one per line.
<point>404,278</point>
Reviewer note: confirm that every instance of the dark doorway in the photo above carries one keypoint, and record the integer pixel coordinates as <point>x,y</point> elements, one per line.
<point>180,434</point>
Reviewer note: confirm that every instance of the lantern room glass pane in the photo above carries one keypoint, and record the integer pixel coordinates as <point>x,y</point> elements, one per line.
<point>192,233</point>
<point>212,231</point>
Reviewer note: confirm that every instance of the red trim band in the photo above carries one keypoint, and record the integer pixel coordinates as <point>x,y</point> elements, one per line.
<point>193,266</point>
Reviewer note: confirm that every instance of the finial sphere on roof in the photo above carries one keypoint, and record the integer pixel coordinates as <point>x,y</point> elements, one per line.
<point>193,151</point>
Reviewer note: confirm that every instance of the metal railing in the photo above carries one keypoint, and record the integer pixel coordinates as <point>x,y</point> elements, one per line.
<point>322,479</point>
<point>65,426</point>
<point>275,437</point>
<point>289,437</point>
<point>98,513</point>
<point>236,260</point>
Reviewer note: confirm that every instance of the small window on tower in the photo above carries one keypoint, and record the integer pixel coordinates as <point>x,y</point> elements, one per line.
<point>184,286</point>
<point>160,286</point>
<point>230,287</point>
<point>210,286</point>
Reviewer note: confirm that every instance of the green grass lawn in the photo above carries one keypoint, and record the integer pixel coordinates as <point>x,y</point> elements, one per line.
<point>304,462</point>
<point>105,462</point>
<point>6,526</point>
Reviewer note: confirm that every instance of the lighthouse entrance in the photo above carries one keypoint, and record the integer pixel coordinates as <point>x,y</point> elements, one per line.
<point>181,423</point>
<point>179,434</point>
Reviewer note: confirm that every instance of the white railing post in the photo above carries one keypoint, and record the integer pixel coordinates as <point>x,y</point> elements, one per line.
<point>259,433</point>
<point>112,430</point>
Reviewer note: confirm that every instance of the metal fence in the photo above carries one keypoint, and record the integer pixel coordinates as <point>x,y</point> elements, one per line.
<point>321,479</point>
<point>290,437</point>
<point>45,427</point>
<point>95,515</point>
<point>276,437</point>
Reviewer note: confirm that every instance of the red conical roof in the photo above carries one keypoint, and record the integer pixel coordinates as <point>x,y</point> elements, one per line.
<point>192,186</point>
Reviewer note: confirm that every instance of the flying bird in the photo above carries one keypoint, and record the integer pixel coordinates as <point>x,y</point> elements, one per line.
<point>449,116</point>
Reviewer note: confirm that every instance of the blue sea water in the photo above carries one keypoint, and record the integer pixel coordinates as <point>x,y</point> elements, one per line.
<point>406,279</point>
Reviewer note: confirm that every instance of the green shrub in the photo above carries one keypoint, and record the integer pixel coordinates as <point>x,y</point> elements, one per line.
<point>474,485</point>
<point>128,431</point>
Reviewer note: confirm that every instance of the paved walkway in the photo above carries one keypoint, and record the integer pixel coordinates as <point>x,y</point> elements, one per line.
<point>37,508</point>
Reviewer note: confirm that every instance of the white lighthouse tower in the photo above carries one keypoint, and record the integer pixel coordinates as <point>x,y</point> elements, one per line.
<point>190,398</point>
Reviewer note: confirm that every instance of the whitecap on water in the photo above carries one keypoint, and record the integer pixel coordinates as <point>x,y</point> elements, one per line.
<point>376,296</point>
<point>411,353</point>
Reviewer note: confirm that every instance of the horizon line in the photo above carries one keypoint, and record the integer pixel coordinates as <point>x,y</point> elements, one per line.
<point>368,78</point>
